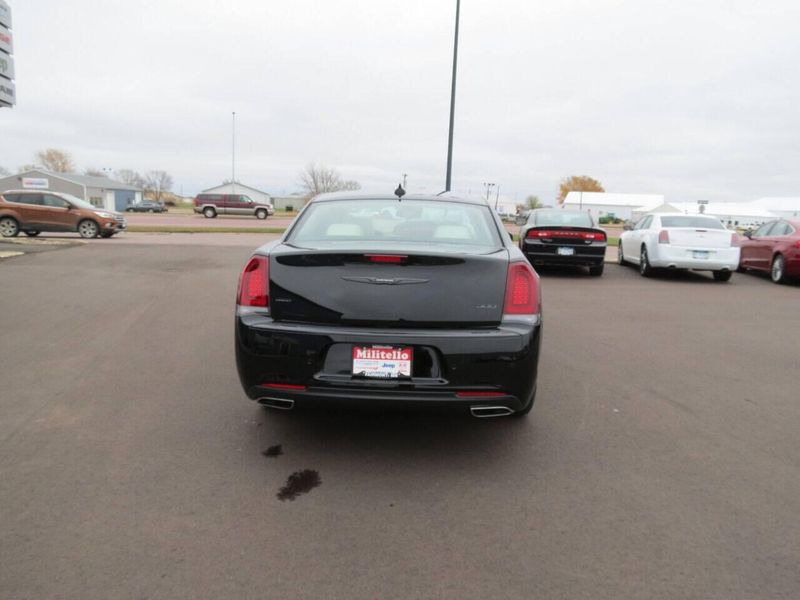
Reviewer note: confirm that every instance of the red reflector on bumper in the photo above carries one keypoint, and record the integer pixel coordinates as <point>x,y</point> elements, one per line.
<point>289,387</point>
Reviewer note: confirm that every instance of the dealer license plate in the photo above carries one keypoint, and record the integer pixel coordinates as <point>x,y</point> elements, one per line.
<point>385,362</point>
<point>565,251</point>
<point>700,254</point>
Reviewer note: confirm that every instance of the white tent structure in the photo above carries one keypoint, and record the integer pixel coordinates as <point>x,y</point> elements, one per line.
<point>780,206</point>
<point>621,206</point>
<point>732,214</point>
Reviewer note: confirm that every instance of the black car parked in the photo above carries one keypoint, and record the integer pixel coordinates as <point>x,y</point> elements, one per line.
<point>563,237</point>
<point>367,300</point>
<point>147,206</point>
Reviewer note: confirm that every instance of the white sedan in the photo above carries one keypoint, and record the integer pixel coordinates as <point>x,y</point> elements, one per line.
<point>675,241</point>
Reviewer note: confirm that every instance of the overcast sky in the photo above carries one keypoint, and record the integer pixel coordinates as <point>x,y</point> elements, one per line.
<point>689,99</point>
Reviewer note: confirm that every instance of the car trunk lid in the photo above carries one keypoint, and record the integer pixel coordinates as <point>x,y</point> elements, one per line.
<point>401,287</point>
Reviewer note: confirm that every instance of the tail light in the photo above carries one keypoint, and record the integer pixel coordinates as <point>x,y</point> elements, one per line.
<point>588,236</point>
<point>522,290</point>
<point>663,237</point>
<point>797,244</point>
<point>254,283</point>
<point>392,259</point>
<point>735,240</point>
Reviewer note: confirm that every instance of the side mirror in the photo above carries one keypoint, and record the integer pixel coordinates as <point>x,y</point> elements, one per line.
<point>748,234</point>
<point>511,235</point>
<point>68,206</point>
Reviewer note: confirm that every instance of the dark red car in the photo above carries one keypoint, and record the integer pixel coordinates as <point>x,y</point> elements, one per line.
<point>775,248</point>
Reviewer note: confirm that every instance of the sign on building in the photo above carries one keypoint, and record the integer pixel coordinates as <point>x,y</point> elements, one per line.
<point>35,183</point>
<point>6,40</point>
<point>5,14</point>
<point>6,66</point>
<point>8,93</point>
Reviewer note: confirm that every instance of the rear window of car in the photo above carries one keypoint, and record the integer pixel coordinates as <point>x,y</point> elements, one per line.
<point>359,223</point>
<point>563,217</point>
<point>691,221</point>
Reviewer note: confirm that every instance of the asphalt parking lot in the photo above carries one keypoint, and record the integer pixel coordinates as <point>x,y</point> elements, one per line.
<point>661,459</point>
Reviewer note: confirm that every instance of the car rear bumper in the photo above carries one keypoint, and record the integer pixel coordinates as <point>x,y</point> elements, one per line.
<point>678,257</point>
<point>498,366</point>
<point>547,254</point>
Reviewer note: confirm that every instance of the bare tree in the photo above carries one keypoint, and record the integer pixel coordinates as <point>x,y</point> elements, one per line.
<point>319,179</point>
<point>56,160</point>
<point>130,177</point>
<point>577,183</point>
<point>156,183</point>
<point>533,202</point>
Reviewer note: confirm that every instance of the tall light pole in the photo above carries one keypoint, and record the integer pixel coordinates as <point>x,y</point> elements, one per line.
<point>233,151</point>
<point>452,103</point>
<point>489,187</point>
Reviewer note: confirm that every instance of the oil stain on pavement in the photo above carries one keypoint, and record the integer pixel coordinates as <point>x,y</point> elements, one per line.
<point>299,482</point>
<point>273,451</point>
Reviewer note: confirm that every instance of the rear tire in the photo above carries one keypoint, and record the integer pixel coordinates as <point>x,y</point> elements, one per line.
<point>722,275</point>
<point>32,233</point>
<point>261,214</point>
<point>596,271</point>
<point>88,229</point>
<point>209,213</point>
<point>645,270</point>
<point>620,256</point>
<point>778,271</point>
<point>9,227</point>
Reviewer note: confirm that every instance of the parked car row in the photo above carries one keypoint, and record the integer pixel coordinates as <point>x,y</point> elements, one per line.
<point>702,243</point>
<point>32,211</point>
<point>564,237</point>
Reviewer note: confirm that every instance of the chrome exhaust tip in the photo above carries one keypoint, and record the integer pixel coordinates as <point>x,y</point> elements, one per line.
<point>484,412</point>
<point>279,403</point>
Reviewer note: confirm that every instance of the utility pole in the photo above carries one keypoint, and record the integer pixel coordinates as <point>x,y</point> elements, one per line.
<point>489,187</point>
<point>497,199</point>
<point>233,151</point>
<point>452,104</point>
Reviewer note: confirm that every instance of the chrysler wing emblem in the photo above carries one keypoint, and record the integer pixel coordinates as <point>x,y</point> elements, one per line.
<point>386,280</point>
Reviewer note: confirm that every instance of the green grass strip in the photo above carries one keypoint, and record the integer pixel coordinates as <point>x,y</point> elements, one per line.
<point>192,229</point>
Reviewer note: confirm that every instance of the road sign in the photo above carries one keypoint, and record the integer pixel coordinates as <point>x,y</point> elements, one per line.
<point>5,14</point>
<point>6,42</point>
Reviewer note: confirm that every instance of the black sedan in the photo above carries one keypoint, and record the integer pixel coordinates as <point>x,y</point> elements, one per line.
<point>563,237</point>
<point>374,301</point>
<point>147,206</point>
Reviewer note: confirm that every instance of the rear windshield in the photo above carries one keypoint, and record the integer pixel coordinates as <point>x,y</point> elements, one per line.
<point>562,217</point>
<point>691,221</point>
<point>356,223</point>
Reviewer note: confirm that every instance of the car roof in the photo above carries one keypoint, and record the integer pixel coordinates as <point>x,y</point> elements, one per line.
<point>444,197</point>
<point>31,192</point>
<point>566,210</point>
